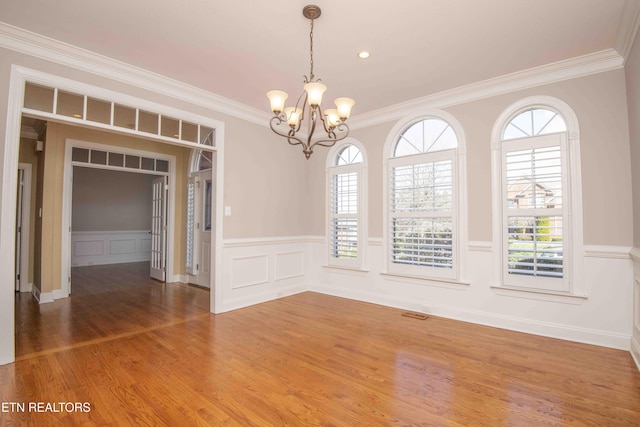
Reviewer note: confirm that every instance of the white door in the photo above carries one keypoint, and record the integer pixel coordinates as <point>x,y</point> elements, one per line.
<point>18,251</point>
<point>159,229</point>
<point>200,228</point>
<point>203,277</point>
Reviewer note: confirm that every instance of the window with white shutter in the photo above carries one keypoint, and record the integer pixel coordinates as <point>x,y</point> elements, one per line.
<point>345,219</point>
<point>422,201</point>
<point>534,184</point>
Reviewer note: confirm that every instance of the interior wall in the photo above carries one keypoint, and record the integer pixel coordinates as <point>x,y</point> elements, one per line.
<point>632,69</point>
<point>108,200</point>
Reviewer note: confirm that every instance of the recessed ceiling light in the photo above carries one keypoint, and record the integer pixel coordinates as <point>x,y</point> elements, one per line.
<point>77,116</point>
<point>364,54</point>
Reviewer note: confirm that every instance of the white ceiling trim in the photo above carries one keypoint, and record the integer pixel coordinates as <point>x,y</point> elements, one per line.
<point>598,62</point>
<point>33,44</point>
<point>27,42</point>
<point>629,24</point>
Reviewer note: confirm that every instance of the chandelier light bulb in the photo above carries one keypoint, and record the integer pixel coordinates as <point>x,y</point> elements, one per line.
<point>344,107</point>
<point>332,117</point>
<point>293,116</point>
<point>277,99</point>
<point>315,90</point>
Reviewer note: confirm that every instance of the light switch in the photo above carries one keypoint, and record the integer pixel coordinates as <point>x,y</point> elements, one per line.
<point>227,211</point>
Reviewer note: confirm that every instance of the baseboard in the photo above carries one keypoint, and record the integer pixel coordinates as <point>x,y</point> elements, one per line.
<point>272,294</point>
<point>46,297</point>
<point>635,351</point>
<point>26,287</point>
<point>178,278</point>
<point>110,261</point>
<point>551,330</point>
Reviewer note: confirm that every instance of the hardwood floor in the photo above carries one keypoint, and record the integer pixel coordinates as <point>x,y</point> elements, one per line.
<point>151,354</point>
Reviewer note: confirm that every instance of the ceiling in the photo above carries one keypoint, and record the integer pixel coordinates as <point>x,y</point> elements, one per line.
<point>241,49</point>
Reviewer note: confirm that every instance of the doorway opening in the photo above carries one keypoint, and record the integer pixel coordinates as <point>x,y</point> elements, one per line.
<point>118,207</point>
<point>118,113</point>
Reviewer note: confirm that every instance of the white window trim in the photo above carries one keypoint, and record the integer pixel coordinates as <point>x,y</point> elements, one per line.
<point>361,262</point>
<point>574,240</point>
<point>460,268</point>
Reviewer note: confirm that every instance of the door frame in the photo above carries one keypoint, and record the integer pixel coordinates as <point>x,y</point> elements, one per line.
<point>15,97</point>
<point>67,199</point>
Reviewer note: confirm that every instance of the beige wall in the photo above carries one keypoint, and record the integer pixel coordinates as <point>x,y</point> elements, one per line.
<point>108,200</point>
<point>633,100</point>
<point>599,102</point>
<point>265,183</point>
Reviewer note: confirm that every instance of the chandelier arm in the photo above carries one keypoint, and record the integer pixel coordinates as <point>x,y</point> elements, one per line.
<point>333,136</point>
<point>290,135</point>
<point>328,130</point>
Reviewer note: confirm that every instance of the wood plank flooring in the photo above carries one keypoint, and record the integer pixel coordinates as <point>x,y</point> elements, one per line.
<point>151,354</point>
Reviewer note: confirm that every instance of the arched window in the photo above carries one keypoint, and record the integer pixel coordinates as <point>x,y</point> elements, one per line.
<point>423,200</point>
<point>346,217</point>
<point>533,170</point>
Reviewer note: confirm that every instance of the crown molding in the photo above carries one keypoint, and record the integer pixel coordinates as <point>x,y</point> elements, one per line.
<point>580,66</point>
<point>628,29</point>
<point>39,46</point>
<point>29,43</point>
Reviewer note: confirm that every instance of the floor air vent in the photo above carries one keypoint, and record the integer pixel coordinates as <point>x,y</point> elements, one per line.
<point>412,315</point>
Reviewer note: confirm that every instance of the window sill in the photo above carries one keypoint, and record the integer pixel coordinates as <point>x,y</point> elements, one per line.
<point>430,281</point>
<point>540,295</point>
<point>346,270</point>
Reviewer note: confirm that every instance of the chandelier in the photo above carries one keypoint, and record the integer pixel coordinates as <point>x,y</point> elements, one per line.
<point>308,106</point>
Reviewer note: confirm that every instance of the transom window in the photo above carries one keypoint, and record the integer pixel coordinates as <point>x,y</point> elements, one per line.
<point>534,122</point>
<point>345,227</point>
<point>426,136</point>
<point>77,108</point>
<point>422,202</point>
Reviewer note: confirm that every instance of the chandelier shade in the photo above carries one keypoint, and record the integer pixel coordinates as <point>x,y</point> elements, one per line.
<point>287,121</point>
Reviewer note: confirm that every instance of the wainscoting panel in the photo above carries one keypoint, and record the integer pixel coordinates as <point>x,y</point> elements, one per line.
<point>289,265</point>
<point>109,247</point>
<point>249,271</point>
<point>259,270</point>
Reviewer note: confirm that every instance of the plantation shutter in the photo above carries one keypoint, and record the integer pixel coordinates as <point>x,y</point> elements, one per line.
<point>422,220</point>
<point>344,211</point>
<point>534,214</point>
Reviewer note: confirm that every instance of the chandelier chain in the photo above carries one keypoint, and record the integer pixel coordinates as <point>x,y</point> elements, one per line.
<point>311,51</point>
